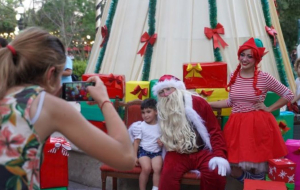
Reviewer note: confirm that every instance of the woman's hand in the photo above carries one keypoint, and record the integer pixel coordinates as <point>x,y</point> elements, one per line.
<point>261,106</point>
<point>98,92</point>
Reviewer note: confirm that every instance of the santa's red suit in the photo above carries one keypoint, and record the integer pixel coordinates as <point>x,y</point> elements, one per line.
<point>210,160</point>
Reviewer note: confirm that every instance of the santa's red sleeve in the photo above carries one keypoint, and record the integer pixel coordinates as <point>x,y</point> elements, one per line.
<point>211,123</point>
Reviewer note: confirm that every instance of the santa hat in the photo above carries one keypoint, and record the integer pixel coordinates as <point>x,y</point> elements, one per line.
<point>167,81</point>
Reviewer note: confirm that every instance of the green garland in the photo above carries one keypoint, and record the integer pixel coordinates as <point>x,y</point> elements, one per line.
<point>108,23</point>
<point>213,23</point>
<point>149,49</point>
<point>276,50</point>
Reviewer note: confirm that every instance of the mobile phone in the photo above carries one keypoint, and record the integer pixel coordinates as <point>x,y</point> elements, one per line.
<point>76,91</point>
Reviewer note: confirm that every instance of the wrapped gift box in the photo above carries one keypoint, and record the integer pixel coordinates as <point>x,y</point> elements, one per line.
<point>54,168</point>
<point>286,119</point>
<point>289,186</point>
<point>152,83</point>
<point>250,184</point>
<point>100,125</point>
<point>213,95</point>
<point>271,98</point>
<point>205,75</point>
<point>282,170</point>
<point>137,90</point>
<point>224,121</point>
<point>293,147</point>
<point>92,112</point>
<point>115,84</point>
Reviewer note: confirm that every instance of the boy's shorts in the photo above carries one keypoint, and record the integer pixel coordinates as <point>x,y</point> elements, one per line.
<point>151,155</point>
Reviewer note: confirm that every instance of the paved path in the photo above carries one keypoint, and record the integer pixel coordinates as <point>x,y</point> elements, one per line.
<point>77,186</point>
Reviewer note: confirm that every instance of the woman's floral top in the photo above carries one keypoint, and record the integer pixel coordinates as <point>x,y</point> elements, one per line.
<point>19,143</point>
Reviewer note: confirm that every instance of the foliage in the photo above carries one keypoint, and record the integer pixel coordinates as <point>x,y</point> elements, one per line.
<point>7,16</point>
<point>289,13</point>
<point>79,68</point>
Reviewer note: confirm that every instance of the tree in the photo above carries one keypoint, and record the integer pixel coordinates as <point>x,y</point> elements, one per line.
<point>7,16</point>
<point>289,13</point>
<point>70,20</point>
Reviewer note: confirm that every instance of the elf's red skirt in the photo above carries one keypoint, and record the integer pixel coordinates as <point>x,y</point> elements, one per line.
<point>253,137</point>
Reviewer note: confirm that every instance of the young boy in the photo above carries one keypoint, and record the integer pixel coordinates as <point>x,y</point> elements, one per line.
<point>147,145</point>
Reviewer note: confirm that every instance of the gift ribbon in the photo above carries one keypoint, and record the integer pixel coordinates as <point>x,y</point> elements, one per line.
<point>60,143</point>
<point>272,32</point>
<point>206,93</point>
<point>283,126</point>
<point>215,34</point>
<point>146,38</point>
<point>193,71</point>
<point>297,152</point>
<point>115,81</point>
<point>104,34</point>
<point>142,91</point>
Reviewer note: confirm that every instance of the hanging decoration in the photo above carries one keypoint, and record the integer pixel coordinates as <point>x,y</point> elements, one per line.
<point>213,23</point>
<point>108,24</point>
<point>272,33</point>
<point>146,38</point>
<point>215,34</point>
<point>104,34</point>
<point>276,50</point>
<point>149,48</point>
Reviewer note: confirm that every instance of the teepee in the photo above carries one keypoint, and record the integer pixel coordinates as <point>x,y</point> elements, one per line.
<point>179,26</point>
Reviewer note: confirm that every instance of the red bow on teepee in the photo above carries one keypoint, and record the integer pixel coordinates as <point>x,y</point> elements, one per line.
<point>142,91</point>
<point>214,33</point>
<point>146,38</point>
<point>284,128</point>
<point>206,92</point>
<point>104,34</point>
<point>116,80</point>
<point>272,32</point>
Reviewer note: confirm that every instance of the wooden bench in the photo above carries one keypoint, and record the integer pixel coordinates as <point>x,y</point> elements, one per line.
<point>134,109</point>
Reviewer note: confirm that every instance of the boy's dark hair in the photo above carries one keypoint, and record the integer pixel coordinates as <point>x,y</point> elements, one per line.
<point>3,42</point>
<point>149,103</point>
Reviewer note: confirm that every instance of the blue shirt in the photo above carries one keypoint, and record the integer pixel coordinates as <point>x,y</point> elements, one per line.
<point>69,65</point>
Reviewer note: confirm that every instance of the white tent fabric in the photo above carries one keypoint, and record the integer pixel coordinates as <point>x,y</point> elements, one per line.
<point>180,36</point>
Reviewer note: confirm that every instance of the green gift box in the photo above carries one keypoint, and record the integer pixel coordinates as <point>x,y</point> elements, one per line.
<point>56,188</point>
<point>152,83</point>
<point>290,186</point>
<point>224,121</point>
<point>92,112</point>
<point>271,98</point>
<point>287,118</point>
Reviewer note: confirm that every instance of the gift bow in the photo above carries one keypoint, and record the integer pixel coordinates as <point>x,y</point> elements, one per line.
<point>104,34</point>
<point>60,143</point>
<point>297,152</point>
<point>214,33</point>
<point>116,80</point>
<point>284,128</point>
<point>194,71</point>
<point>206,93</point>
<point>272,32</point>
<point>142,91</point>
<point>146,38</point>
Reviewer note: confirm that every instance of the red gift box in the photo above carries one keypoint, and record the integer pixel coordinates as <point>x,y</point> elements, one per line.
<point>54,168</point>
<point>100,125</point>
<point>115,84</point>
<point>282,170</point>
<point>205,75</point>
<point>250,184</point>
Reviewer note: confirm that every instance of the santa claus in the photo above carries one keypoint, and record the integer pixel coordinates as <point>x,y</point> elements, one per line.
<point>191,135</point>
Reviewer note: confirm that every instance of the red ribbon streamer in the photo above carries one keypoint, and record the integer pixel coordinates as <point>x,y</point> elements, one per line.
<point>142,91</point>
<point>272,32</point>
<point>214,33</point>
<point>104,34</point>
<point>148,39</point>
<point>114,80</point>
<point>206,93</point>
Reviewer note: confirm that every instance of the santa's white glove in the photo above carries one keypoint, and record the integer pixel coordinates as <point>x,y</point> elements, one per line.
<point>221,163</point>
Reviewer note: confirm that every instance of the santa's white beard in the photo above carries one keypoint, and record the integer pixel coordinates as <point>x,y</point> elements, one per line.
<point>177,134</point>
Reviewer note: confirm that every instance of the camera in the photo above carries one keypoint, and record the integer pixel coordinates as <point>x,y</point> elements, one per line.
<point>76,91</point>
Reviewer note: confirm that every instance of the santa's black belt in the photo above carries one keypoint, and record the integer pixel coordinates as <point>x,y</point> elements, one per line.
<point>201,147</point>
